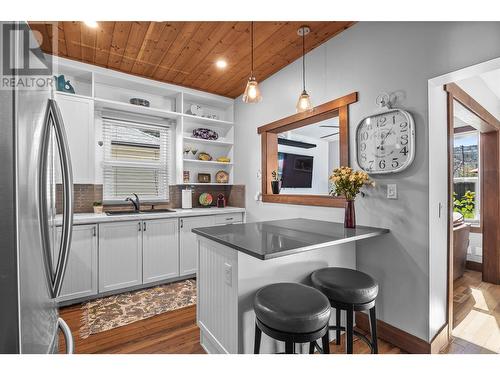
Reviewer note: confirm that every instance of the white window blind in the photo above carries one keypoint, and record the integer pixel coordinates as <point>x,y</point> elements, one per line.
<point>137,159</point>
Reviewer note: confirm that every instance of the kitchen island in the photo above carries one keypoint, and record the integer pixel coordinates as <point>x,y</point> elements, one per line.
<point>234,261</point>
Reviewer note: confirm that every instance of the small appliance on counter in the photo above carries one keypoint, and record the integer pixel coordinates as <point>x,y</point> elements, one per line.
<point>187,198</point>
<point>221,201</point>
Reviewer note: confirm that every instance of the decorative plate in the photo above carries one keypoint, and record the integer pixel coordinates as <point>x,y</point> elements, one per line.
<point>204,133</point>
<point>205,199</point>
<point>196,110</point>
<point>222,177</point>
<point>204,156</point>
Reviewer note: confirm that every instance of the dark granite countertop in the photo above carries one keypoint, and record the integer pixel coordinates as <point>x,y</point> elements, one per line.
<point>273,239</point>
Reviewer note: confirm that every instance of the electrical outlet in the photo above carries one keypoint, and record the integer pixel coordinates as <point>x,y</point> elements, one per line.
<point>392,191</point>
<point>228,274</point>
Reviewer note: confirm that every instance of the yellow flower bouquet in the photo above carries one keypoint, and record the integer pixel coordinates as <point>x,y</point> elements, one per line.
<point>348,183</point>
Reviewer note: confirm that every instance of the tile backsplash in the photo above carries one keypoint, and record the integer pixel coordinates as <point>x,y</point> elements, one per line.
<point>86,194</point>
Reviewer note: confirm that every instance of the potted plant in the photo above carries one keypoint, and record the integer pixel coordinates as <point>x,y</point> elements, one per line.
<point>97,207</point>
<point>275,183</point>
<point>348,183</point>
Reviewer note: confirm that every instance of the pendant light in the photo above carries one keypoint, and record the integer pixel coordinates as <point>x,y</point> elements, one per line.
<point>304,102</point>
<point>252,91</point>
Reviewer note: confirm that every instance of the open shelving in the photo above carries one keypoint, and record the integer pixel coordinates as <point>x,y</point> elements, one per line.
<point>112,90</point>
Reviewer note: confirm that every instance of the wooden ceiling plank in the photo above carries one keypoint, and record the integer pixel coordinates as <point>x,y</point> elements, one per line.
<point>61,39</point>
<point>158,47</point>
<point>181,40</point>
<point>120,36</point>
<point>103,43</point>
<point>134,43</point>
<point>240,62</point>
<point>220,50</point>
<point>291,50</point>
<point>73,39</point>
<point>154,28</point>
<point>266,45</point>
<point>205,51</point>
<point>89,39</point>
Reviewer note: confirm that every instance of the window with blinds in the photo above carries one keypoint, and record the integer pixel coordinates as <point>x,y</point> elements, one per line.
<point>137,159</point>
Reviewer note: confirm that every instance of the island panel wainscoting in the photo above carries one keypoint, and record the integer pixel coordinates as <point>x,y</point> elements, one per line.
<point>234,261</point>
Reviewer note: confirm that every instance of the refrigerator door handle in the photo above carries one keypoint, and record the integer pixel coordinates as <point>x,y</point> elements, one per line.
<point>67,177</point>
<point>42,197</point>
<point>68,337</point>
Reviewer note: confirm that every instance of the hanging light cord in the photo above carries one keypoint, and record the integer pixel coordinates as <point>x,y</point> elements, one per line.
<point>304,58</point>
<point>251,34</point>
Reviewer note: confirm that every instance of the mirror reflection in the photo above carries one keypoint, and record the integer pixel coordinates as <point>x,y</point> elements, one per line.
<point>307,156</point>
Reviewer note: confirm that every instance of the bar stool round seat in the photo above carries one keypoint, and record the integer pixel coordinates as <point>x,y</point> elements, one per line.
<point>345,285</point>
<point>349,290</point>
<point>293,313</point>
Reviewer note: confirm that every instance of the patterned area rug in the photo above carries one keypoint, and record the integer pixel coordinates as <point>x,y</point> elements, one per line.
<point>107,313</point>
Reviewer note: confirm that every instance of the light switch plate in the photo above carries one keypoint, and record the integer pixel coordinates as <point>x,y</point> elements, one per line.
<point>228,274</point>
<point>392,191</point>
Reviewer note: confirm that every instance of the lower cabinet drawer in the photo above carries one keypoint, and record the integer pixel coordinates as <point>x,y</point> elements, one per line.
<point>229,218</point>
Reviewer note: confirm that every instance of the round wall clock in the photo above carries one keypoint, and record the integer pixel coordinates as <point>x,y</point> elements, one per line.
<point>385,142</point>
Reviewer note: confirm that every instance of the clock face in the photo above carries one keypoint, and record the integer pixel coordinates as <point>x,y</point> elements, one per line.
<point>385,142</point>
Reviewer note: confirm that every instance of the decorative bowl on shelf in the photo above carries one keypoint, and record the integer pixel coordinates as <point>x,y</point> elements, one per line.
<point>205,199</point>
<point>139,101</point>
<point>224,159</point>
<point>222,177</point>
<point>204,156</point>
<point>204,133</point>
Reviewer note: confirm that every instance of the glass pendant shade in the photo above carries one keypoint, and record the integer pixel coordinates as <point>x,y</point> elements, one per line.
<point>304,103</point>
<point>252,91</point>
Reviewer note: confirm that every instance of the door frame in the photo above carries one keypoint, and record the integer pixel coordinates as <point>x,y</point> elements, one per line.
<point>489,185</point>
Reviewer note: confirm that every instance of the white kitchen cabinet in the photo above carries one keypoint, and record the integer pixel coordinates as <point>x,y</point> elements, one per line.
<point>80,279</point>
<point>78,117</point>
<point>188,248</point>
<point>120,255</point>
<point>160,249</point>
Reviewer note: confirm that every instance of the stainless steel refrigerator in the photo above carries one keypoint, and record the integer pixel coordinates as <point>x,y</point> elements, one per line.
<point>34,160</point>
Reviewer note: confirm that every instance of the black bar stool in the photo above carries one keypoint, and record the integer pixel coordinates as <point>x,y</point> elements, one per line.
<point>349,290</point>
<point>293,313</point>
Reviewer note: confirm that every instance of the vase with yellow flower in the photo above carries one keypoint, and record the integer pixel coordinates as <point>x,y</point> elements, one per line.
<point>347,183</point>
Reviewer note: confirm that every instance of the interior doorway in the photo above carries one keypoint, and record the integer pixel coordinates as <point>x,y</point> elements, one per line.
<point>473,219</point>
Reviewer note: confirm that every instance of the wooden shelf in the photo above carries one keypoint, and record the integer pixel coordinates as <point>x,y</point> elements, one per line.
<point>207,162</point>
<point>207,141</point>
<point>207,121</point>
<point>135,109</point>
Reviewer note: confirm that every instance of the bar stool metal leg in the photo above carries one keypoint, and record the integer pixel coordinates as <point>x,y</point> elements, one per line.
<point>337,323</point>
<point>373,329</point>
<point>325,341</point>
<point>289,347</point>
<point>258,335</point>
<point>311,347</point>
<point>349,330</point>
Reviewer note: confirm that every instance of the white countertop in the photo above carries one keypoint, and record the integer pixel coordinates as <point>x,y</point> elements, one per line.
<point>91,218</point>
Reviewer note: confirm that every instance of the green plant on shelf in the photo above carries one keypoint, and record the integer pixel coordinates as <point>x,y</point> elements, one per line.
<point>465,205</point>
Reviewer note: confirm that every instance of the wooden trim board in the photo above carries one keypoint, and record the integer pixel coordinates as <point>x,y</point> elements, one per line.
<point>393,335</point>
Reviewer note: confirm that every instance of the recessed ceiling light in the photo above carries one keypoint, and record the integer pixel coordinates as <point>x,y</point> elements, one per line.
<point>92,24</point>
<point>221,64</point>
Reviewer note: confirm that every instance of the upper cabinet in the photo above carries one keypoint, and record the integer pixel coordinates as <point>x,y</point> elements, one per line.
<point>78,117</point>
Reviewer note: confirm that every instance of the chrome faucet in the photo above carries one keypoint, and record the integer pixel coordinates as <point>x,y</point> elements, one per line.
<point>136,202</point>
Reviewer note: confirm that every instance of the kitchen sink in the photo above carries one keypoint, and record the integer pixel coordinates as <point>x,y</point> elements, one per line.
<point>155,211</point>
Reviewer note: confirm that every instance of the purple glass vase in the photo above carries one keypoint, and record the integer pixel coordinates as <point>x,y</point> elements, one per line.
<point>350,215</point>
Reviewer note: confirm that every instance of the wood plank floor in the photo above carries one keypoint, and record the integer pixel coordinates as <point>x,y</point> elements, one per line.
<point>173,332</point>
<point>476,316</point>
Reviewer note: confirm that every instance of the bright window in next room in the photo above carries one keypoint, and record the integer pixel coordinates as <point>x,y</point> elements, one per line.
<point>137,159</point>
<point>466,181</point>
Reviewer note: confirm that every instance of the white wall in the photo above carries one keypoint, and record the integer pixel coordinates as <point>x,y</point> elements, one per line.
<point>372,57</point>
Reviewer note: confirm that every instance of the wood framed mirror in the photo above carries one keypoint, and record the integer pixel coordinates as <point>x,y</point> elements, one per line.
<point>303,149</point>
